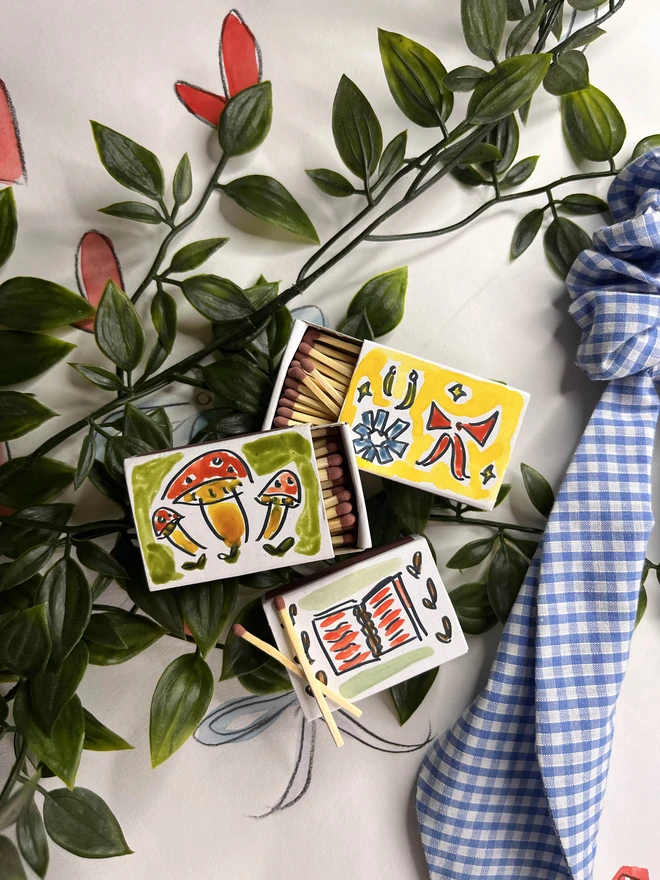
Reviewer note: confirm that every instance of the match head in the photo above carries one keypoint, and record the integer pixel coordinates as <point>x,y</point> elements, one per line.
<point>285,412</point>
<point>335,473</point>
<point>307,364</point>
<point>334,460</point>
<point>347,521</point>
<point>304,349</point>
<point>279,603</point>
<point>344,508</point>
<point>239,630</point>
<point>340,494</point>
<point>281,422</point>
<point>311,335</point>
<point>298,373</point>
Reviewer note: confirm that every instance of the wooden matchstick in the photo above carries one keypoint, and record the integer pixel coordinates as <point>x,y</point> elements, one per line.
<point>297,406</point>
<point>338,493</point>
<point>336,342</point>
<point>330,449</point>
<point>306,400</point>
<point>337,509</point>
<point>332,473</point>
<point>293,667</point>
<point>317,391</point>
<point>291,418</point>
<point>336,378</point>
<point>337,365</point>
<point>335,353</point>
<point>341,523</point>
<point>345,540</point>
<point>329,460</point>
<point>329,484</point>
<point>312,681</point>
<point>308,367</point>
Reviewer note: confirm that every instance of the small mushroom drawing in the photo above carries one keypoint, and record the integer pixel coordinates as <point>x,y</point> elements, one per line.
<point>212,481</point>
<point>167,524</point>
<point>280,495</point>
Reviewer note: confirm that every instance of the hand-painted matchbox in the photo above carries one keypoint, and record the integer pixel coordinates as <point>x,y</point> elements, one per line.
<point>411,420</point>
<point>370,623</point>
<point>238,506</point>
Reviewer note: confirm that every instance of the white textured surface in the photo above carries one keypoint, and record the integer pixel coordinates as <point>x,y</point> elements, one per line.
<point>67,62</point>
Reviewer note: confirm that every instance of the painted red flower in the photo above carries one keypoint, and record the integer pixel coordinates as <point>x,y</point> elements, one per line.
<point>240,67</point>
<point>12,162</point>
<point>96,264</point>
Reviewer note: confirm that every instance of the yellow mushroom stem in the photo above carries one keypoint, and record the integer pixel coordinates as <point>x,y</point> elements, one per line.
<point>278,508</point>
<point>179,538</point>
<point>227,520</point>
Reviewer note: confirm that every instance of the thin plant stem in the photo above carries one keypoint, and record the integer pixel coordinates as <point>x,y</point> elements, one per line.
<point>489,523</point>
<point>14,773</point>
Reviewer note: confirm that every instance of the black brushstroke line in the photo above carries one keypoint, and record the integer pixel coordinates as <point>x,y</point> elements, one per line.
<point>280,805</point>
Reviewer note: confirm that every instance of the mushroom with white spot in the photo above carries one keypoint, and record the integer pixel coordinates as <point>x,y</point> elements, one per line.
<point>280,495</point>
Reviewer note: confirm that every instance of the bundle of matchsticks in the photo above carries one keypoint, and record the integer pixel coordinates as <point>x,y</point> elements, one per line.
<point>336,485</point>
<point>317,380</point>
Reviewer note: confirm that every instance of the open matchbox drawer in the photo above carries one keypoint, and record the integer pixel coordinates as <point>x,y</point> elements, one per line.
<point>410,420</point>
<point>241,505</point>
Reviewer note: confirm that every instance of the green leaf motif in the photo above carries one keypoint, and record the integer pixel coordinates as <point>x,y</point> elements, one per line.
<point>8,224</point>
<point>137,423</point>
<point>505,576</point>
<point>246,119</point>
<point>28,303</point>
<point>382,298</point>
<point>32,841</point>
<point>138,211</point>
<point>409,695</point>
<point>217,299</point>
<point>239,657</point>
<point>507,87</point>
<point>163,316</point>
<point>524,31</point>
<point>463,79</point>
<point>471,554</point>
<point>356,130</point>
<point>651,142</point>
<point>539,491</point>
<point>65,590</point>
<point>483,23</point>
<point>473,609</point>
<point>118,330</point>
<point>563,241</point>
<point>331,182</point>
<point>240,383</point>
<point>128,162</point>
<point>27,564</point>
<point>11,867</point>
<point>95,558</point>
<point>83,824</point>
<point>26,355</point>
<point>357,326</point>
<point>266,198</point>
<point>412,506</point>
<point>271,678</point>
<point>114,637</point>
<point>25,643</point>
<point>86,459</point>
<point>15,540</point>
<point>526,231</point>
<point>569,72</point>
<point>206,609</point>
<point>593,127</point>
<point>514,10</point>
<point>506,137</point>
<point>13,808</point>
<point>182,184</point>
<point>520,172</point>
<point>192,255</point>
<point>99,738</point>
<point>42,480</point>
<point>99,376</point>
<point>415,79</point>
<point>52,689</point>
<point>583,37</point>
<point>393,156</point>
<point>584,204</point>
<point>20,414</point>
<point>179,703</point>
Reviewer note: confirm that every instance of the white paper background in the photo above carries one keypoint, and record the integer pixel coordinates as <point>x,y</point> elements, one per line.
<point>66,62</point>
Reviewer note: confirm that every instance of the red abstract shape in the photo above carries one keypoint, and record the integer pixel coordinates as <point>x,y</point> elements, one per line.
<point>438,421</point>
<point>240,68</point>
<point>626,873</point>
<point>96,264</point>
<point>12,163</point>
<point>479,431</point>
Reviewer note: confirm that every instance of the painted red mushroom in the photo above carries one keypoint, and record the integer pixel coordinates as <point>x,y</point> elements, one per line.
<point>167,526</point>
<point>280,495</point>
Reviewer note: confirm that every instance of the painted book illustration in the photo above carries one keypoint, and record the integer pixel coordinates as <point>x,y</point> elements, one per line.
<point>231,507</point>
<point>368,625</point>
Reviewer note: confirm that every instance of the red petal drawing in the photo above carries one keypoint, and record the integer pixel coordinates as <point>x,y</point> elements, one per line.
<point>626,873</point>
<point>4,456</point>
<point>240,57</point>
<point>12,163</point>
<point>202,104</point>
<point>96,263</point>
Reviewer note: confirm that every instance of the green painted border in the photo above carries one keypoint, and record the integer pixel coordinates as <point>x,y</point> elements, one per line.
<point>380,672</point>
<point>146,481</point>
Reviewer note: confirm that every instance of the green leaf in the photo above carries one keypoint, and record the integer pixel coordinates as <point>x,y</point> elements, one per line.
<point>116,636</point>
<point>99,738</point>
<point>279,331</point>
<point>382,298</point>
<point>520,171</point>
<point>137,423</point>
<point>468,176</point>
<point>118,330</point>
<point>10,861</point>
<point>162,606</point>
<point>642,603</point>
<point>331,182</point>
<point>583,37</point>
<point>179,703</point>
<point>20,414</point>
<point>393,156</point>
<point>483,23</point>
<point>97,559</point>
<point>514,10</point>
<point>232,424</point>
<point>218,299</point>
<point>240,383</point>
<point>138,211</point>
<point>83,824</point>
<point>52,689</point>
<point>463,79</point>
<point>240,657</point>
<point>563,241</point>
<point>585,5</point>
<point>60,751</point>
<point>246,119</point>
<point>481,153</point>
<point>182,184</point>
<point>163,316</point>
<point>118,449</point>
<point>569,72</point>
<point>357,326</point>
<point>471,554</point>
<point>473,609</point>
<point>32,842</point>
<point>524,31</point>
<point>411,505</point>
<point>42,480</point>
<point>507,87</point>
<point>206,609</point>
<point>8,224</point>
<point>409,695</point>
<point>527,548</point>
<point>526,231</point>
<point>506,137</point>
<point>383,523</point>
<point>106,484</point>
<point>85,459</point>
<point>505,576</point>
<point>99,376</point>
<point>65,589</point>
<point>356,130</point>
<point>266,198</point>
<point>26,565</point>
<point>28,303</point>
<point>192,255</point>
<point>13,809</point>
<point>539,491</point>
<point>26,355</point>
<point>271,678</point>
<point>583,203</point>
<point>25,644</point>
<point>593,127</point>
<point>15,540</point>
<point>4,705</point>
<point>651,142</point>
<point>130,164</point>
<point>414,76</point>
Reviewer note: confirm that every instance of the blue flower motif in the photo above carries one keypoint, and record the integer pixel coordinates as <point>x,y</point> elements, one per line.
<point>377,441</point>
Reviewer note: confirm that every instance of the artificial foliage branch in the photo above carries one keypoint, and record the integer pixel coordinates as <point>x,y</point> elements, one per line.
<point>55,615</point>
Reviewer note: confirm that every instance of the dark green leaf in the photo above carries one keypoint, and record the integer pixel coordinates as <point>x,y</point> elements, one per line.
<point>162,606</point>
<point>471,554</point>
<point>15,540</point>
<point>4,705</point>
<point>514,10</point>
<point>383,523</point>
<point>163,316</point>
<point>239,657</point>
<point>271,678</point>
<point>232,424</point>
<point>25,644</point>
<point>483,26</point>
<point>10,861</point>
<point>83,824</point>
<point>331,182</point>
<point>13,808</point>
<point>642,602</point>
<point>182,184</point>
<point>266,198</point>
<point>28,303</point>
<point>468,176</point>
<point>161,419</point>
<point>130,164</point>
<point>62,749</point>
<point>116,636</point>
<point>524,31</point>
<point>138,424</point>
<point>42,480</point>
<point>539,491</point>
<point>585,5</point>
<point>356,130</point>
<point>99,376</point>
<point>26,355</point>
<point>506,137</point>
<point>179,703</point>
<point>32,841</point>
<point>118,330</point>
<point>206,609</point>
<point>505,576</point>
<point>569,72</point>
<point>85,459</point>
<point>409,695</point>
<point>473,608</point>
<point>507,87</point>
<point>520,171</point>
<point>218,299</point>
<point>477,153</point>
<point>383,299</point>
<point>411,505</point>
<point>66,591</point>
<point>527,548</point>
<point>97,559</point>
<point>100,478</point>
<point>414,75</point>
<point>593,127</point>
<point>8,224</point>
<point>583,37</point>
<point>99,738</point>
<point>463,79</point>
<point>357,326</point>
<point>27,564</point>
<point>279,331</point>
<point>240,383</point>
<point>563,241</point>
<point>651,142</point>
<point>138,211</point>
<point>192,255</point>
<point>583,203</point>
<point>246,119</point>
<point>52,689</point>
<point>393,156</point>
<point>258,296</point>
<point>526,231</point>
<point>118,449</point>
<point>266,580</point>
<point>20,414</point>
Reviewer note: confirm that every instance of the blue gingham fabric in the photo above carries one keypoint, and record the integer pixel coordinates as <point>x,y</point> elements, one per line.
<point>515,788</point>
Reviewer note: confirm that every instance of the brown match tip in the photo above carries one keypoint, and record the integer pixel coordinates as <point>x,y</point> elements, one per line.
<point>298,374</point>
<point>341,494</point>
<point>335,460</point>
<point>304,348</point>
<point>279,603</point>
<point>239,630</point>
<point>280,422</point>
<point>307,365</point>
<point>347,521</point>
<point>285,411</point>
<point>311,334</point>
<point>334,473</point>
